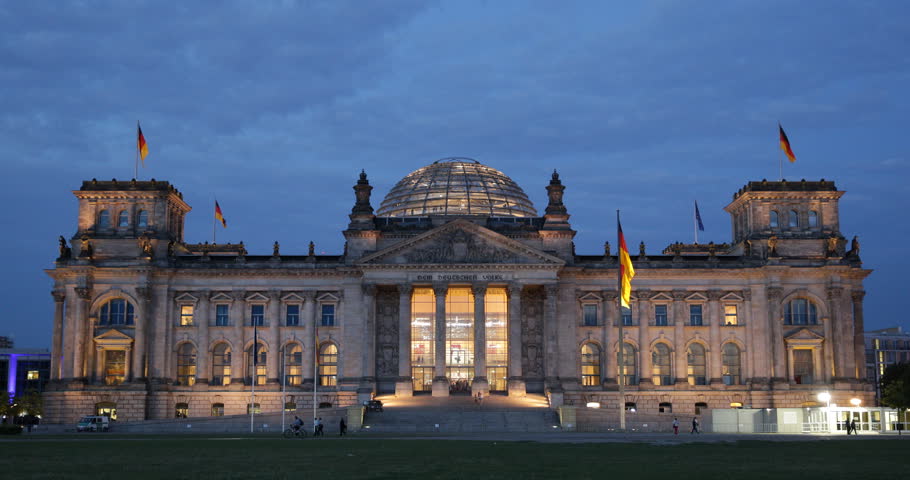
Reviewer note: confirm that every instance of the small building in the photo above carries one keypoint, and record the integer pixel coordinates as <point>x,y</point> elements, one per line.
<point>23,370</point>
<point>888,346</point>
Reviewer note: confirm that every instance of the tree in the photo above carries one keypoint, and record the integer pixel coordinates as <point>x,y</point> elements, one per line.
<point>896,388</point>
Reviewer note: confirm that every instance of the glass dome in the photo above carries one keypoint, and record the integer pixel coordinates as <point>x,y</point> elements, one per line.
<point>456,186</point>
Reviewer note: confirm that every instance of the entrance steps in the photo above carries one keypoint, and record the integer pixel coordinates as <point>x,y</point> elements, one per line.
<point>461,414</point>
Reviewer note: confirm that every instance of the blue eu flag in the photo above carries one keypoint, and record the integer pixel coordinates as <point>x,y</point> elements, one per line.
<point>701,226</point>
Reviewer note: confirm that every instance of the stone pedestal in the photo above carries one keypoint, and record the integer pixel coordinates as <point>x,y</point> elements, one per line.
<point>517,387</point>
<point>555,397</point>
<point>404,388</point>
<point>440,387</point>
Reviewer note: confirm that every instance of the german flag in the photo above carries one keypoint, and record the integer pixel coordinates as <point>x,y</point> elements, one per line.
<point>140,144</point>
<point>219,216</point>
<point>785,144</point>
<point>626,271</point>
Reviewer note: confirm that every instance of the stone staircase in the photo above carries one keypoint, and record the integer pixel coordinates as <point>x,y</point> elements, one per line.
<point>461,414</point>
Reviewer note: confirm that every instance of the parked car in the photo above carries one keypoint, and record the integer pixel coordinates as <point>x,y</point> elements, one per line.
<point>93,423</point>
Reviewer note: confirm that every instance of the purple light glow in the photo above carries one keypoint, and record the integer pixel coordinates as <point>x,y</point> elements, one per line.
<point>11,377</point>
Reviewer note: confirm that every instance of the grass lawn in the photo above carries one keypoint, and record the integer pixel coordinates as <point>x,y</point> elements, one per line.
<point>135,458</point>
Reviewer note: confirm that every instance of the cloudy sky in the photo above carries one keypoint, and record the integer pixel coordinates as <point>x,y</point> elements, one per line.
<point>275,107</point>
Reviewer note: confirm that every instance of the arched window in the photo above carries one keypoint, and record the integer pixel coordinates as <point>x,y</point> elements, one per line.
<point>628,367</point>
<point>774,223</point>
<point>221,365</point>
<point>800,311</point>
<point>181,410</point>
<point>116,312</point>
<point>107,409</point>
<point>793,219</point>
<point>104,219</point>
<point>328,365</point>
<point>186,364</point>
<point>123,220</point>
<point>590,365</point>
<point>217,409</point>
<point>256,368</point>
<point>731,364</point>
<point>813,218</point>
<point>142,219</point>
<point>293,364</point>
<point>695,358</point>
<point>660,365</point>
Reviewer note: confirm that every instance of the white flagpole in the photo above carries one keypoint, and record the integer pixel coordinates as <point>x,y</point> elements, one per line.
<point>137,151</point>
<point>315,370</point>
<point>253,376</point>
<point>284,385</point>
<point>621,342</point>
<point>213,222</point>
<point>695,222</point>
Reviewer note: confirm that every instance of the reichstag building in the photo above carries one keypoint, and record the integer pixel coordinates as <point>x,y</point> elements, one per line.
<point>456,284</point>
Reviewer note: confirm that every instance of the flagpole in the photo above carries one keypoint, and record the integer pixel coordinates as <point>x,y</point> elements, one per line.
<point>213,223</point>
<point>253,376</point>
<point>284,385</point>
<point>136,171</point>
<point>780,161</point>
<point>315,371</point>
<point>620,343</point>
<point>695,222</point>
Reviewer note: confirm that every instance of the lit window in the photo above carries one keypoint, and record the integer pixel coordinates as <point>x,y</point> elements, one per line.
<point>221,364</point>
<point>590,365</point>
<point>116,312</point>
<point>793,219</point>
<point>731,364</point>
<point>186,364</point>
<point>800,311</point>
<point>257,315</point>
<point>293,364</point>
<point>813,218</point>
<point>774,219</point>
<point>328,315</point>
<point>328,365</point>
<point>114,367</point>
<point>660,365</point>
<point>423,335</point>
<point>181,410</point>
<point>254,408</point>
<point>104,219</point>
<point>660,315</point>
<point>107,409</point>
<point>630,407</point>
<point>256,367</point>
<point>695,316</point>
<point>32,375</point>
<point>186,315</point>
<point>221,315</point>
<point>142,220</point>
<point>695,359</point>
<point>730,315</point>
<point>803,366</point>
<point>217,409</point>
<point>123,220</point>
<point>590,315</point>
<point>628,365</point>
<point>290,406</point>
<point>293,315</point>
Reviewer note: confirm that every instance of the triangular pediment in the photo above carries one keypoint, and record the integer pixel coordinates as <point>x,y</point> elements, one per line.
<point>590,297</point>
<point>257,297</point>
<point>662,297</point>
<point>732,297</point>
<point>460,242</point>
<point>222,297</point>
<point>803,334</point>
<point>186,297</point>
<point>292,298</point>
<point>113,338</point>
<point>697,297</point>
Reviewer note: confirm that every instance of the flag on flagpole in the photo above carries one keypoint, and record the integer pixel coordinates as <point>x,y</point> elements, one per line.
<point>140,144</point>
<point>785,144</point>
<point>219,216</point>
<point>701,226</point>
<point>626,272</point>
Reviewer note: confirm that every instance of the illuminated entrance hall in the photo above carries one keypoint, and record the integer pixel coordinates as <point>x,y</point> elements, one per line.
<point>460,339</point>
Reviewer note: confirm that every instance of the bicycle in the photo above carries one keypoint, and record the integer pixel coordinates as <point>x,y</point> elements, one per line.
<point>292,432</point>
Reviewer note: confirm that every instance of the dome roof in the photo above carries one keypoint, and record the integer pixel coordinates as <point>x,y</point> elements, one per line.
<point>456,186</point>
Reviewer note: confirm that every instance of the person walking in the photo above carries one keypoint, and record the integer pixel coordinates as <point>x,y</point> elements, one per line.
<point>675,426</point>
<point>694,425</point>
<point>342,428</point>
<point>853,426</point>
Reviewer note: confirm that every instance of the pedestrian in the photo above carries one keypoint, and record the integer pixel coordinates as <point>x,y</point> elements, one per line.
<point>675,426</point>
<point>342,428</point>
<point>321,428</point>
<point>694,425</point>
<point>853,426</point>
<point>847,426</point>
<point>316,426</point>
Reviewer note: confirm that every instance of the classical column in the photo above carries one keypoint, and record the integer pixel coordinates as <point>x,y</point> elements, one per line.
<point>440,382</point>
<point>157,330</point>
<point>859,347</point>
<point>516,380</point>
<point>746,362</point>
<point>778,357</point>
<point>833,355</point>
<point>368,354</point>
<point>480,383</point>
<point>274,352</point>
<point>610,319</point>
<point>67,368</point>
<point>680,361</point>
<point>309,335</point>
<point>203,356</point>
<point>79,332</point>
<point>404,386</point>
<point>57,345</point>
<point>715,320</point>
<point>551,341</point>
<point>238,353</point>
<point>144,294</point>
<point>644,343</point>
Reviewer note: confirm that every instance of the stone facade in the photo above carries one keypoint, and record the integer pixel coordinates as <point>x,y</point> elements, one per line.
<point>151,324</point>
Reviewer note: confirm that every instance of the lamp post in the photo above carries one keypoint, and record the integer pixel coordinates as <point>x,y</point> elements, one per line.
<point>826,397</point>
<point>856,403</point>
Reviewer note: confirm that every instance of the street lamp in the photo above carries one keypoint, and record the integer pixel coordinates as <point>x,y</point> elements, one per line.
<point>826,397</point>
<point>855,402</point>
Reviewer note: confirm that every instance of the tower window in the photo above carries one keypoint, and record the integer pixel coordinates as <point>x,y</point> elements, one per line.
<point>104,219</point>
<point>142,220</point>
<point>793,219</point>
<point>123,220</point>
<point>774,223</point>
<point>813,218</point>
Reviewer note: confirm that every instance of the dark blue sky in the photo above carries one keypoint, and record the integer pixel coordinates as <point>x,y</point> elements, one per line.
<point>274,107</point>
